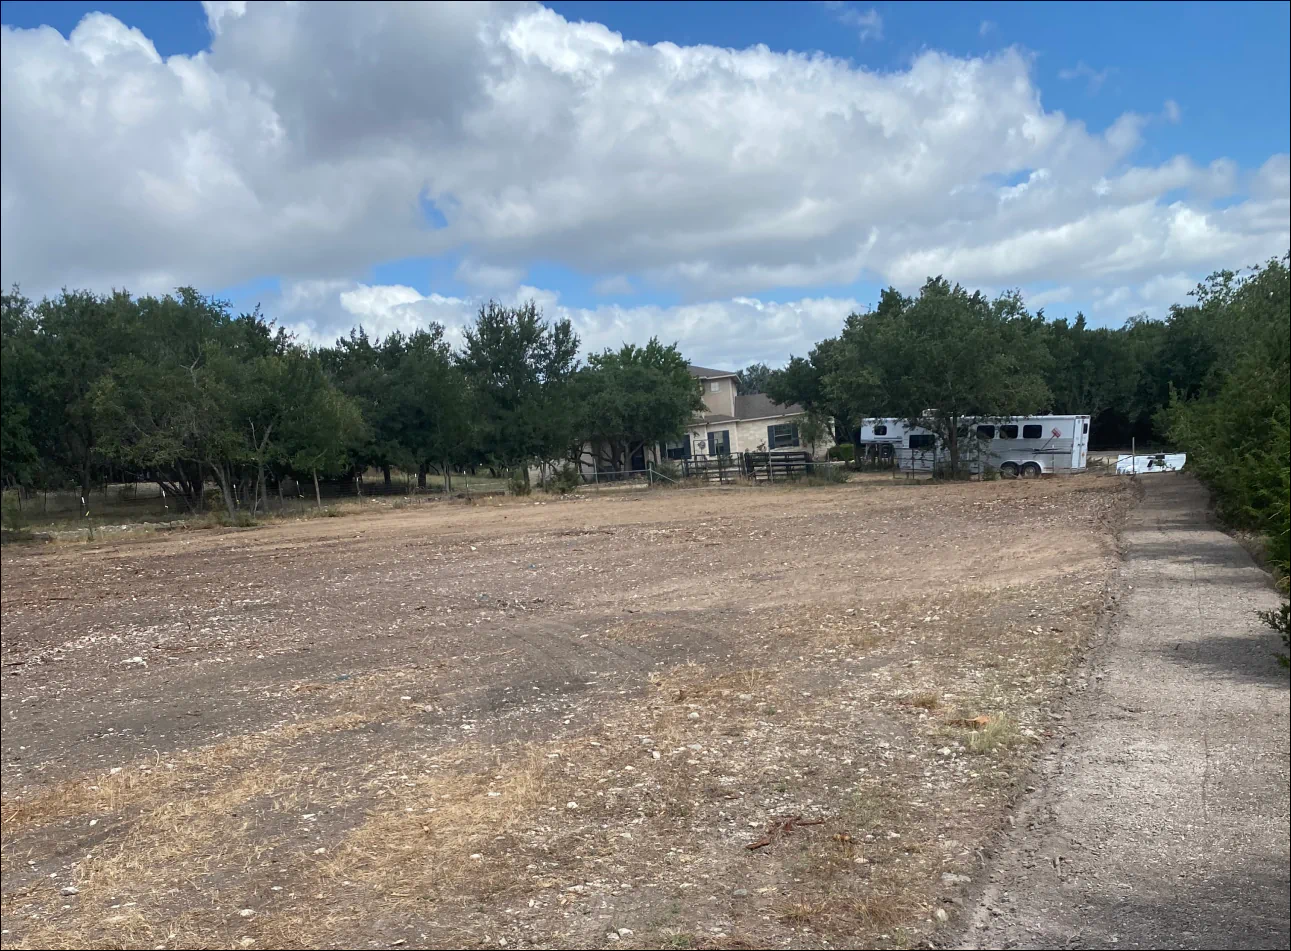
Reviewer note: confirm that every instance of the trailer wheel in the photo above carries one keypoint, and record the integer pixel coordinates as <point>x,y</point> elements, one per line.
<point>1031,470</point>
<point>1009,470</point>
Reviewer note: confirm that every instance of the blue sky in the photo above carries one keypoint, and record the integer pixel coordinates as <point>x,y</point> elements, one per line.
<point>1100,157</point>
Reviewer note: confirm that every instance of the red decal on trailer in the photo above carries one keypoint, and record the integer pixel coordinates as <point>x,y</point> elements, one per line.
<point>1056,431</point>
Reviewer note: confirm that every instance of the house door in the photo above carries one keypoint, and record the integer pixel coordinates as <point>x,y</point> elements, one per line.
<point>638,459</point>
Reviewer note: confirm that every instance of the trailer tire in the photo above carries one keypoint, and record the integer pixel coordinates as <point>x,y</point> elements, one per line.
<point>1009,470</point>
<point>1031,470</point>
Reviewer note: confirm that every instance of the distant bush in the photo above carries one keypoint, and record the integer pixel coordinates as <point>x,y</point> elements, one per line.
<point>564,480</point>
<point>518,484</point>
<point>821,474</point>
<point>843,452</point>
<point>668,469</point>
<point>12,516</point>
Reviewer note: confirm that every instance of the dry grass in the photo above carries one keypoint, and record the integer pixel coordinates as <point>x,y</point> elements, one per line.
<point>145,783</point>
<point>996,732</point>
<point>450,832</point>
<point>926,700</point>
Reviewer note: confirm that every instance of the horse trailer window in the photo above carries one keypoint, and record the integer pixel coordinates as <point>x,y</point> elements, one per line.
<point>1032,431</point>
<point>1009,432</point>
<point>1086,429</point>
<point>880,430</point>
<point>922,440</point>
<point>986,432</point>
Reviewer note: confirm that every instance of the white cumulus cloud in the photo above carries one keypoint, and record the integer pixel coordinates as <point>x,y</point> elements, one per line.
<point>314,141</point>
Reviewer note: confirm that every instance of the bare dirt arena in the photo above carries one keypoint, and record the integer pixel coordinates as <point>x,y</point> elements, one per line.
<point>739,718</point>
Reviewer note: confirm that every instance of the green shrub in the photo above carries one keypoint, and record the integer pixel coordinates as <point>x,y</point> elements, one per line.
<point>819,474</point>
<point>564,480</point>
<point>518,483</point>
<point>1280,621</point>
<point>843,452</point>
<point>668,469</point>
<point>12,515</point>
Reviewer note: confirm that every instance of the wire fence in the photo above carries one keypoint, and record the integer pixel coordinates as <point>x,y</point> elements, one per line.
<point>143,499</point>
<point>136,500</point>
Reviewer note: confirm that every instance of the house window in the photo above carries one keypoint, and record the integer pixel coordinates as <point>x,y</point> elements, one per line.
<point>678,450</point>
<point>922,440</point>
<point>1009,431</point>
<point>1032,431</point>
<point>714,387</point>
<point>719,443</point>
<point>782,436</point>
<point>985,432</point>
<point>880,430</point>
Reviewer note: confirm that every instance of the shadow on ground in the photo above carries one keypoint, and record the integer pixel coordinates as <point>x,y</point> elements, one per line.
<point>1252,658</point>
<point>1243,910</point>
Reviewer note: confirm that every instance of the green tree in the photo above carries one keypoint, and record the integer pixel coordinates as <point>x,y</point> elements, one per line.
<point>323,426</point>
<point>363,369</point>
<point>940,358</point>
<point>1235,421</point>
<point>520,369</point>
<point>20,457</point>
<point>803,381</point>
<point>632,398</point>
<point>753,379</point>
<point>431,423</point>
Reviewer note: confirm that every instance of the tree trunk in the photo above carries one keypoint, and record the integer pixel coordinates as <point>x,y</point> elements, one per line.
<point>385,473</point>
<point>421,477</point>
<point>225,480</point>
<point>954,447</point>
<point>282,505</point>
<point>448,479</point>
<point>258,490</point>
<point>318,496</point>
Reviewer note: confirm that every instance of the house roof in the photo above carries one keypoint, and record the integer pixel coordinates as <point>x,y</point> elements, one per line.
<point>761,406</point>
<point>706,373</point>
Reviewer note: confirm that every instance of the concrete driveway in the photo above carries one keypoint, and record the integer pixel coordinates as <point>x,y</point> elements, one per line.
<point>1163,820</point>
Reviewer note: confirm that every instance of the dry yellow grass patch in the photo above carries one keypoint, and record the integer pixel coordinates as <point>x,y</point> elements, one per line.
<point>144,783</point>
<point>450,828</point>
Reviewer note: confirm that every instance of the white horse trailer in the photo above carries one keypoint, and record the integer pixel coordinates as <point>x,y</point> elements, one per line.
<point>1026,446</point>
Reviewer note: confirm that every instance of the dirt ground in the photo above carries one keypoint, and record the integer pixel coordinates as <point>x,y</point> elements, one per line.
<point>721,718</point>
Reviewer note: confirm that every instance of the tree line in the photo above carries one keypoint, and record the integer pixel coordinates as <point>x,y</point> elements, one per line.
<point>181,391</point>
<point>1211,378</point>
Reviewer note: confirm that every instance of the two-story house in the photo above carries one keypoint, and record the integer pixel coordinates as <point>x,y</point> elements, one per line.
<point>733,423</point>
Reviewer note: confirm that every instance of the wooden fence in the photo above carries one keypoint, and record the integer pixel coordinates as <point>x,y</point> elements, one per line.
<point>758,466</point>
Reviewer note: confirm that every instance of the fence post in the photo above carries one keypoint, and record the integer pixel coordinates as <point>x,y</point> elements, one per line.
<point>649,473</point>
